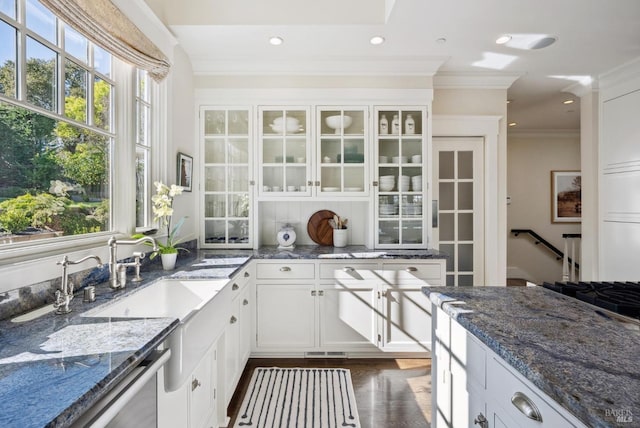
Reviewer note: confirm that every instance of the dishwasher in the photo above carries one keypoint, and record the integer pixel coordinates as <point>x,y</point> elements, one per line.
<point>131,403</point>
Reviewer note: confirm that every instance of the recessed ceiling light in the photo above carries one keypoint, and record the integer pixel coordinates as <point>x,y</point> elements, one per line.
<point>376,40</point>
<point>567,102</point>
<point>276,40</point>
<point>503,39</point>
<point>512,124</point>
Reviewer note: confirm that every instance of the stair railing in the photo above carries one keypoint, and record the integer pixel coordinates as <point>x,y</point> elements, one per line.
<point>570,266</point>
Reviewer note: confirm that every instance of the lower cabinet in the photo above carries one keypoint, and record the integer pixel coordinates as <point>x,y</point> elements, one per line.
<point>237,340</point>
<point>473,386</point>
<point>361,306</point>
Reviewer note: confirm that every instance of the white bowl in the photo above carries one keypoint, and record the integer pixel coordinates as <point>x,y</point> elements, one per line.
<point>399,159</point>
<point>386,187</point>
<point>383,159</point>
<point>292,125</point>
<point>338,122</point>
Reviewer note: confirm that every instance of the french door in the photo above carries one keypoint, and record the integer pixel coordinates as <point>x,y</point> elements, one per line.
<point>458,207</point>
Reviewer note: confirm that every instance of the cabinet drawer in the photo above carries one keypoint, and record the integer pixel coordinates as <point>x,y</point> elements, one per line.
<point>343,270</point>
<point>503,385</point>
<point>285,271</point>
<point>426,271</point>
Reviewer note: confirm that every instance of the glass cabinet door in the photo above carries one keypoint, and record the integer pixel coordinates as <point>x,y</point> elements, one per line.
<point>226,174</point>
<point>342,150</point>
<point>284,151</point>
<point>401,177</point>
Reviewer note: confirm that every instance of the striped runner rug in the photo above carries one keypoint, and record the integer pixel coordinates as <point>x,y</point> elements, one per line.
<point>299,398</point>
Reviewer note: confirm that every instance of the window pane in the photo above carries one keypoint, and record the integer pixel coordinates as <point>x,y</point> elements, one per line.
<point>75,91</point>
<point>143,124</point>
<point>465,164</point>
<point>143,86</point>
<point>445,165</point>
<point>142,198</point>
<point>102,104</point>
<point>41,75</point>
<point>8,60</point>
<point>76,44</point>
<point>465,196</point>
<point>41,21</point>
<point>53,178</point>
<point>102,61</point>
<point>8,7</point>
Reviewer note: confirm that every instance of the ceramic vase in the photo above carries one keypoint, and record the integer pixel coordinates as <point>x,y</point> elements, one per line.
<point>340,237</point>
<point>169,261</point>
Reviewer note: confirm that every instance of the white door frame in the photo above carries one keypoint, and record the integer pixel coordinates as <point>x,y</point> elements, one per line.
<point>495,230</point>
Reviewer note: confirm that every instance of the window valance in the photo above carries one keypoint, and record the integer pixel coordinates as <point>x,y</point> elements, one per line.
<point>104,24</point>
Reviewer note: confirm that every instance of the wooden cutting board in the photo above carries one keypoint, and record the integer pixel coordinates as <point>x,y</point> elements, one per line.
<point>319,229</point>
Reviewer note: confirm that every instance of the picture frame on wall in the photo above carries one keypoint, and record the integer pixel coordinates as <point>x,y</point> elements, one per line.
<point>566,197</point>
<point>185,171</point>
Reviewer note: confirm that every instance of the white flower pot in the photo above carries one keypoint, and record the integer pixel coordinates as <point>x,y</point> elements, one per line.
<point>169,261</point>
<point>340,237</point>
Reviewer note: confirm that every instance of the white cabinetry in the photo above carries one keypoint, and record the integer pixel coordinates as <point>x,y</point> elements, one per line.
<point>401,177</point>
<point>226,199</point>
<point>355,306</point>
<point>472,384</point>
<point>238,332</point>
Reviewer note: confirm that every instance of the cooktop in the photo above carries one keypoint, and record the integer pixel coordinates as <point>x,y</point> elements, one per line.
<point>619,297</point>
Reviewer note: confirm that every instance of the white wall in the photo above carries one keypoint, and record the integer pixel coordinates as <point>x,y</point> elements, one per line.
<point>531,158</point>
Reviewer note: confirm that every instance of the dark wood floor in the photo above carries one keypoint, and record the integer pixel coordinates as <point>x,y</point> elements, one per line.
<point>389,392</point>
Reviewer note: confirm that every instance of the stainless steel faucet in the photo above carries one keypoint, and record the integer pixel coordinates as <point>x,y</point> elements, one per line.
<point>118,271</point>
<point>65,294</point>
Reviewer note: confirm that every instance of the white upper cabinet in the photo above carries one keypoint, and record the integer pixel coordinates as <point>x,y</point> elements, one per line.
<point>226,199</point>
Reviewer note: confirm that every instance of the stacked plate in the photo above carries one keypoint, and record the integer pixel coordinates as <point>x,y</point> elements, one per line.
<point>403,183</point>
<point>416,183</point>
<point>399,159</point>
<point>387,182</point>
<point>412,209</point>
<point>388,209</point>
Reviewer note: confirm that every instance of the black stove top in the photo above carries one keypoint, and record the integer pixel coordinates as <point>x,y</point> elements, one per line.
<point>619,297</point>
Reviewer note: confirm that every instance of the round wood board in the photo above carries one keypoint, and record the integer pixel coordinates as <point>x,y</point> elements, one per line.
<point>319,229</point>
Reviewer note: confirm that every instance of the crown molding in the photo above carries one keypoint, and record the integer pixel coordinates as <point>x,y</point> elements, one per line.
<point>621,74</point>
<point>361,66</point>
<point>569,134</point>
<point>453,80</point>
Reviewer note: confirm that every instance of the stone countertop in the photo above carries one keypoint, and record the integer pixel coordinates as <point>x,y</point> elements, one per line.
<point>55,367</point>
<point>311,252</point>
<point>582,358</point>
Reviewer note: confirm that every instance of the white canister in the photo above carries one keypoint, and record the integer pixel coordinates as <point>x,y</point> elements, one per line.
<point>340,237</point>
<point>384,125</point>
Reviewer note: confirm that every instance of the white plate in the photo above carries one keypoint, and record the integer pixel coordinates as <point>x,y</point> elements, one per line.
<point>330,189</point>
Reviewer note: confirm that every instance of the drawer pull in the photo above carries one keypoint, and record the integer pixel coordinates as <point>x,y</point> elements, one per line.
<point>526,406</point>
<point>411,269</point>
<point>348,269</point>
<point>235,286</point>
<point>481,420</point>
<point>246,275</point>
<point>195,383</point>
<point>285,269</point>
<point>233,320</point>
<point>245,302</point>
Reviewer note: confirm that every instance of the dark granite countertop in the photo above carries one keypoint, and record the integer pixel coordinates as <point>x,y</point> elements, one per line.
<point>583,359</point>
<point>55,367</point>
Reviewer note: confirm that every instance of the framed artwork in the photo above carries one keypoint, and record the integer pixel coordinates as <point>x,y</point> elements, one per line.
<point>185,171</point>
<point>566,197</point>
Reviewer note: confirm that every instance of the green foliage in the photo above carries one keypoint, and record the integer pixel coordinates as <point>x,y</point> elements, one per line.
<point>28,210</point>
<point>41,80</point>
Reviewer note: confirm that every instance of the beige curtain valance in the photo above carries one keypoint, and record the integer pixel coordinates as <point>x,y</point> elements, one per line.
<point>104,24</point>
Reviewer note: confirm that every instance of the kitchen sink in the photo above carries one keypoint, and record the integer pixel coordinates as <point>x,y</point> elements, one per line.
<point>202,306</point>
<point>167,298</point>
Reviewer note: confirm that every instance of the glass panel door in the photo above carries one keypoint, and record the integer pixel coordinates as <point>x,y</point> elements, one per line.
<point>227,178</point>
<point>284,151</point>
<point>400,151</point>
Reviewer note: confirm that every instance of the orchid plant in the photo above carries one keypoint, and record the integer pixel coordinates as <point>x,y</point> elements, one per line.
<point>163,214</point>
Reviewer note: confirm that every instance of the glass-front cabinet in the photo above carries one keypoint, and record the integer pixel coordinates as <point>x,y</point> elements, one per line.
<point>227,177</point>
<point>401,149</point>
<point>284,151</point>
<point>342,150</point>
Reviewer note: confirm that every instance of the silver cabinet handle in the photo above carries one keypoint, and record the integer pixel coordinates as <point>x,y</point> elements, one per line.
<point>285,269</point>
<point>233,320</point>
<point>246,275</point>
<point>245,302</point>
<point>526,406</point>
<point>348,269</point>
<point>235,286</point>
<point>195,383</point>
<point>321,293</point>
<point>481,420</point>
<point>313,293</point>
<point>411,269</point>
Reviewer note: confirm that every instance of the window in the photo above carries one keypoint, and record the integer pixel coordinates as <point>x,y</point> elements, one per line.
<point>56,128</point>
<point>143,148</point>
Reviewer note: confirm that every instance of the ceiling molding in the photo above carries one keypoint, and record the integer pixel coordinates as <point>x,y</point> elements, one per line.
<point>621,74</point>
<point>580,90</point>
<point>450,80</point>
<point>365,66</point>
<point>569,134</point>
